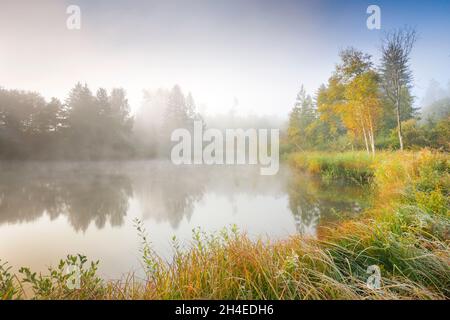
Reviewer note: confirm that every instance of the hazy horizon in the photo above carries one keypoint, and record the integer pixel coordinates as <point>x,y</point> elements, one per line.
<point>253,54</point>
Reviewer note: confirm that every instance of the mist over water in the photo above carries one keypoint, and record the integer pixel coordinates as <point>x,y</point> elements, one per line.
<point>50,209</point>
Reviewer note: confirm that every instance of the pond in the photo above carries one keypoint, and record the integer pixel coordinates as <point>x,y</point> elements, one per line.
<point>51,209</point>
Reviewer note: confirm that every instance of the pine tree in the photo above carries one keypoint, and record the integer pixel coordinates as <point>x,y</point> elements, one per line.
<point>301,116</point>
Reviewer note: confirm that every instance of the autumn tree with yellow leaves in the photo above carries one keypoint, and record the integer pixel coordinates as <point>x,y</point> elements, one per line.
<point>362,109</point>
<point>352,97</point>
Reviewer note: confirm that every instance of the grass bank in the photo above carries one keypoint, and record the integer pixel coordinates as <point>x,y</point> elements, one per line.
<point>405,234</point>
<point>355,166</point>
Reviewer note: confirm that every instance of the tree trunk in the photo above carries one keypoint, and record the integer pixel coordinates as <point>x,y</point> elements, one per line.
<point>372,142</point>
<point>399,123</point>
<point>372,135</point>
<point>365,140</point>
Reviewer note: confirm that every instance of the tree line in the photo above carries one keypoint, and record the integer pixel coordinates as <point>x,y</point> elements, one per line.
<point>367,106</point>
<point>86,126</point>
<point>362,106</point>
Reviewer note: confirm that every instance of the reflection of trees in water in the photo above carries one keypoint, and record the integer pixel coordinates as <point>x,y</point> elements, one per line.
<point>169,193</point>
<point>99,198</point>
<point>311,201</point>
<point>99,193</point>
<point>23,200</point>
<point>306,222</point>
<point>166,192</point>
<point>27,192</point>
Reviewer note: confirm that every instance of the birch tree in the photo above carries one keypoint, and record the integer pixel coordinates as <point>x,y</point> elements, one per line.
<point>396,74</point>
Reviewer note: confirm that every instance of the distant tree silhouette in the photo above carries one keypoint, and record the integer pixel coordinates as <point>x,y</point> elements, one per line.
<point>84,127</point>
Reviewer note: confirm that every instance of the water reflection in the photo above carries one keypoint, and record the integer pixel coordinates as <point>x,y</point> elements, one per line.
<point>100,193</point>
<point>312,200</point>
<point>82,194</point>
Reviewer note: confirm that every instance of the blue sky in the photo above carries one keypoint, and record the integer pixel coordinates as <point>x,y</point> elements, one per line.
<point>258,52</point>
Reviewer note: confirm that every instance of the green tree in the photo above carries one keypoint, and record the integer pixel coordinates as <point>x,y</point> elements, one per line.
<point>301,116</point>
<point>83,116</point>
<point>350,103</point>
<point>120,122</point>
<point>396,74</point>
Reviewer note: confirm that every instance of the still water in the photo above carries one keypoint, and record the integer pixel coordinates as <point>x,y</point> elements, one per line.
<point>48,210</point>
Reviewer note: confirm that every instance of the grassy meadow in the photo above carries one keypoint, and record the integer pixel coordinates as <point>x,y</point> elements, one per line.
<point>405,233</point>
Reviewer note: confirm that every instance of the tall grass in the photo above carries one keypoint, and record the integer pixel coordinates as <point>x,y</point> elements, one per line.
<point>405,233</point>
<point>356,166</point>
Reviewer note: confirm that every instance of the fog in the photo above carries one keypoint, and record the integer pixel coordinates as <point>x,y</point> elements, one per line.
<point>258,52</point>
<point>436,101</point>
<point>213,49</point>
<point>100,194</point>
<point>234,64</point>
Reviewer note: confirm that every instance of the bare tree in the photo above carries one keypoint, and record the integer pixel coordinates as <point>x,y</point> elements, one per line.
<point>396,74</point>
